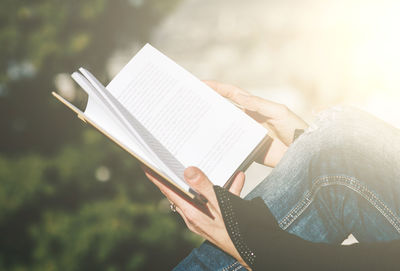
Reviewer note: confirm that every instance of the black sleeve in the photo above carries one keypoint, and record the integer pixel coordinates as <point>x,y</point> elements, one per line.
<point>263,245</point>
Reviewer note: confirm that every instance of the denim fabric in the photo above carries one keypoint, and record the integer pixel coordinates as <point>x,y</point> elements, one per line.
<point>341,176</point>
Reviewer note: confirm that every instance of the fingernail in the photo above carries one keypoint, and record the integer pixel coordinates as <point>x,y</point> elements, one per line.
<point>190,173</point>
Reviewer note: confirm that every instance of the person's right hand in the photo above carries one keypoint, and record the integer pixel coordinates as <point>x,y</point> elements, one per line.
<point>277,118</point>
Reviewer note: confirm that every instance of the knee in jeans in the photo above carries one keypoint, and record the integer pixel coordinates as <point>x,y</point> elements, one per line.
<point>337,127</point>
<point>333,118</point>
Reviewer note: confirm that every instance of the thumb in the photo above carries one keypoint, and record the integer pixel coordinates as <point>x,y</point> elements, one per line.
<point>237,184</point>
<point>198,181</point>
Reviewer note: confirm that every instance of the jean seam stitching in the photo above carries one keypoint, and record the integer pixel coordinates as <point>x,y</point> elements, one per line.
<point>349,182</point>
<point>234,265</point>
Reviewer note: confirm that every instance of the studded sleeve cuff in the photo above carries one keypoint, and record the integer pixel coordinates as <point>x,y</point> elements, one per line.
<point>246,221</point>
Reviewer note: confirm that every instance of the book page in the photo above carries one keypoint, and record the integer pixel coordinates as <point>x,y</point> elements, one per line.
<point>100,112</point>
<point>162,156</point>
<point>194,123</point>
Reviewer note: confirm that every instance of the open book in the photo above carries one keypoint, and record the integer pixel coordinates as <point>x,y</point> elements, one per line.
<point>169,120</point>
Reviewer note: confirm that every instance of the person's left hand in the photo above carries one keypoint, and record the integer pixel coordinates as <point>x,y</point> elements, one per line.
<point>212,229</point>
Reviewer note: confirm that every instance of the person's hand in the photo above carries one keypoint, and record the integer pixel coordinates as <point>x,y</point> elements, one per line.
<point>277,118</point>
<point>212,229</point>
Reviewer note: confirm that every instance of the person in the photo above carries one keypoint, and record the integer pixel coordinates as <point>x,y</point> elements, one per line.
<point>340,176</point>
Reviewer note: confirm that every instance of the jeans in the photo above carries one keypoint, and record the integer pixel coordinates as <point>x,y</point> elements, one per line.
<point>341,177</point>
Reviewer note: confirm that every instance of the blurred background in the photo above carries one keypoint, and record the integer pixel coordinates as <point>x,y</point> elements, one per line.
<point>69,198</point>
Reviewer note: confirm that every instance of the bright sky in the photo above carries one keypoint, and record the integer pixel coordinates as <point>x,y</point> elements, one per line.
<point>309,54</point>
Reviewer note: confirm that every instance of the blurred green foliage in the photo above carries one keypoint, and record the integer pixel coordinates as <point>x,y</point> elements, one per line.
<point>69,198</point>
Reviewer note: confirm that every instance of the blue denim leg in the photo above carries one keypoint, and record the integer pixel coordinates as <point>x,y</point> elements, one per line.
<point>209,257</point>
<point>341,176</point>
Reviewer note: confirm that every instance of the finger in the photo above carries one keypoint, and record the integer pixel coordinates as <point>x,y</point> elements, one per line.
<point>190,226</point>
<point>243,98</point>
<point>172,196</point>
<point>237,184</point>
<point>148,172</point>
<point>226,90</point>
<point>275,153</point>
<point>199,182</point>
<point>264,107</point>
<point>151,177</point>
<point>179,201</point>
<point>156,180</point>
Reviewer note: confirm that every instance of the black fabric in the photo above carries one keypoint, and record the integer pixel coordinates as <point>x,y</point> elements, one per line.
<point>297,133</point>
<point>263,245</point>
